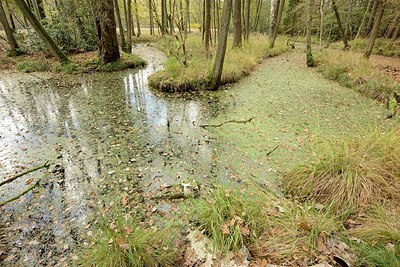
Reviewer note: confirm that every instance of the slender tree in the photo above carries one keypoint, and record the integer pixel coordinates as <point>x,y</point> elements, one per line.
<point>247,20</point>
<point>151,23</point>
<point>129,25</point>
<point>309,56</point>
<point>276,23</point>
<point>361,28</point>
<point>41,32</point>
<point>207,26</point>
<point>138,31</point>
<point>370,23</point>
<point>222,43</point>
<point>121,29</point>
<point>14,48</point>
<point>237,23</point>
<point>340,26</point>
<point>164,17</point>
<point>375,29</point>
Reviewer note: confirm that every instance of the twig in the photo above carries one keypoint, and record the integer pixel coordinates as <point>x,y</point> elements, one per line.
<point>19,195</point>
<point>170,196</point>
<point>46,164</point>
<point>270,152</point>
<point>225,122</point>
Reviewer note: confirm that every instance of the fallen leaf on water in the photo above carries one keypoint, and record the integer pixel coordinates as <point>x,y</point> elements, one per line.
<point>29,181</point>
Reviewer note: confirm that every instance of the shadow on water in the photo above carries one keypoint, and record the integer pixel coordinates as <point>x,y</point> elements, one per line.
<point>105,134</point>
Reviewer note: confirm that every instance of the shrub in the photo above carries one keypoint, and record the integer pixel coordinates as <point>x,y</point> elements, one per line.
<point>351,174</point>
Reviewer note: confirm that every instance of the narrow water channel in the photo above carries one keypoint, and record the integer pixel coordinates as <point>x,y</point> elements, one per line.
<point>105,135</point>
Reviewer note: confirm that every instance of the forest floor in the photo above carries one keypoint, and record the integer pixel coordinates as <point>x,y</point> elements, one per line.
<point>109,134</point>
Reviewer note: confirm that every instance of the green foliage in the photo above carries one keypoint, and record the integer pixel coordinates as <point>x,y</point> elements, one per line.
<point>65,37</point>
<point>310,60</point>
<point>376,255</point>
<point>350,174</point>
<point>121,241</point>
<point>33,66</point>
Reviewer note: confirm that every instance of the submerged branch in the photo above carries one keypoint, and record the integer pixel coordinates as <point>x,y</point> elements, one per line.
<point>226,122</point>
<point>46,164</point>
<point>19,195</point>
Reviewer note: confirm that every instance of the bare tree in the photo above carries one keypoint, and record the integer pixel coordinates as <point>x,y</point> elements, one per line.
<point>121,29</point>
<point>222,43</point>
<point>340,26</point>
<point>375,29</point>
<point>237,23</point>
<point>309,56</point>
<point>207,26</point>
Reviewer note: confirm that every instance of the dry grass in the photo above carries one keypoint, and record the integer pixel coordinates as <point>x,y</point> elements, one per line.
<point>380,225</point>
<point>351,174</point>
<point>353,71</point>
<point>297,233</point>
<point>239,62</point>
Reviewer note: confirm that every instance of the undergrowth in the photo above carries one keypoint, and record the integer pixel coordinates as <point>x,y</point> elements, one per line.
<point>350,174</point>
<point>239,62</point>
<point>270,226</point>
<point>127,61</point>
<point>353,71</point>
<point>382,46</point>
<point>122,241</point>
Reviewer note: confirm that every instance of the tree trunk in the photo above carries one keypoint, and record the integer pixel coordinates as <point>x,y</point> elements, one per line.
<point>247,20</point>
<point>340,26</point>
<point>129,25</point>
<point>309,55</point>
<point>187,20</point>
<point>361,28</point>
<point>392,26</point>
<point>41,32</point>
<point>375,29</point>
<point>347,30</point>
<point>151,23</point>
<point>276,24</point>
<point>164,17</point>
<point>272,17</point>
<point>222,42</point>
<point>138,31</point>
<point>207,26</point>
<point>321,22</point>
<point>370,23</point>
<point>121,29</point>
<point>14,48</point>
<point>237,23</point>
<point>40,7</point>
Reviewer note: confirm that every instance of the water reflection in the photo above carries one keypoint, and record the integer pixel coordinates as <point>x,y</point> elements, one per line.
<point>93,131</point>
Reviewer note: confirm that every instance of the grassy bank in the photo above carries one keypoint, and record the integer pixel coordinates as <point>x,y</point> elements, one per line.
<point>384,47</point>
<point>239,62</point>
<point>353,71</point>
<point>81,63</point>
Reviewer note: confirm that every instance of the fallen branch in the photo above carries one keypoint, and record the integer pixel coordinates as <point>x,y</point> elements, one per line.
<point>170,196</point>
<point>225,122</point>
<point>45,165</point>
<point>272,150</point>
<point>19,195</point>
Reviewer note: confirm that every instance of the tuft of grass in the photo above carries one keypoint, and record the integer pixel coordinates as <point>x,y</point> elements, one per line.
<point>351,174</point>
<point>297,233</point>
<point>380,225</point>
<point>239,62</point>
<point>382,46</point>
<point>33,66</point>
<point>353,71</point>
<point>121,241</point>
<point>232,217</point>
<point>376,255</point>
<point>127,61</point>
